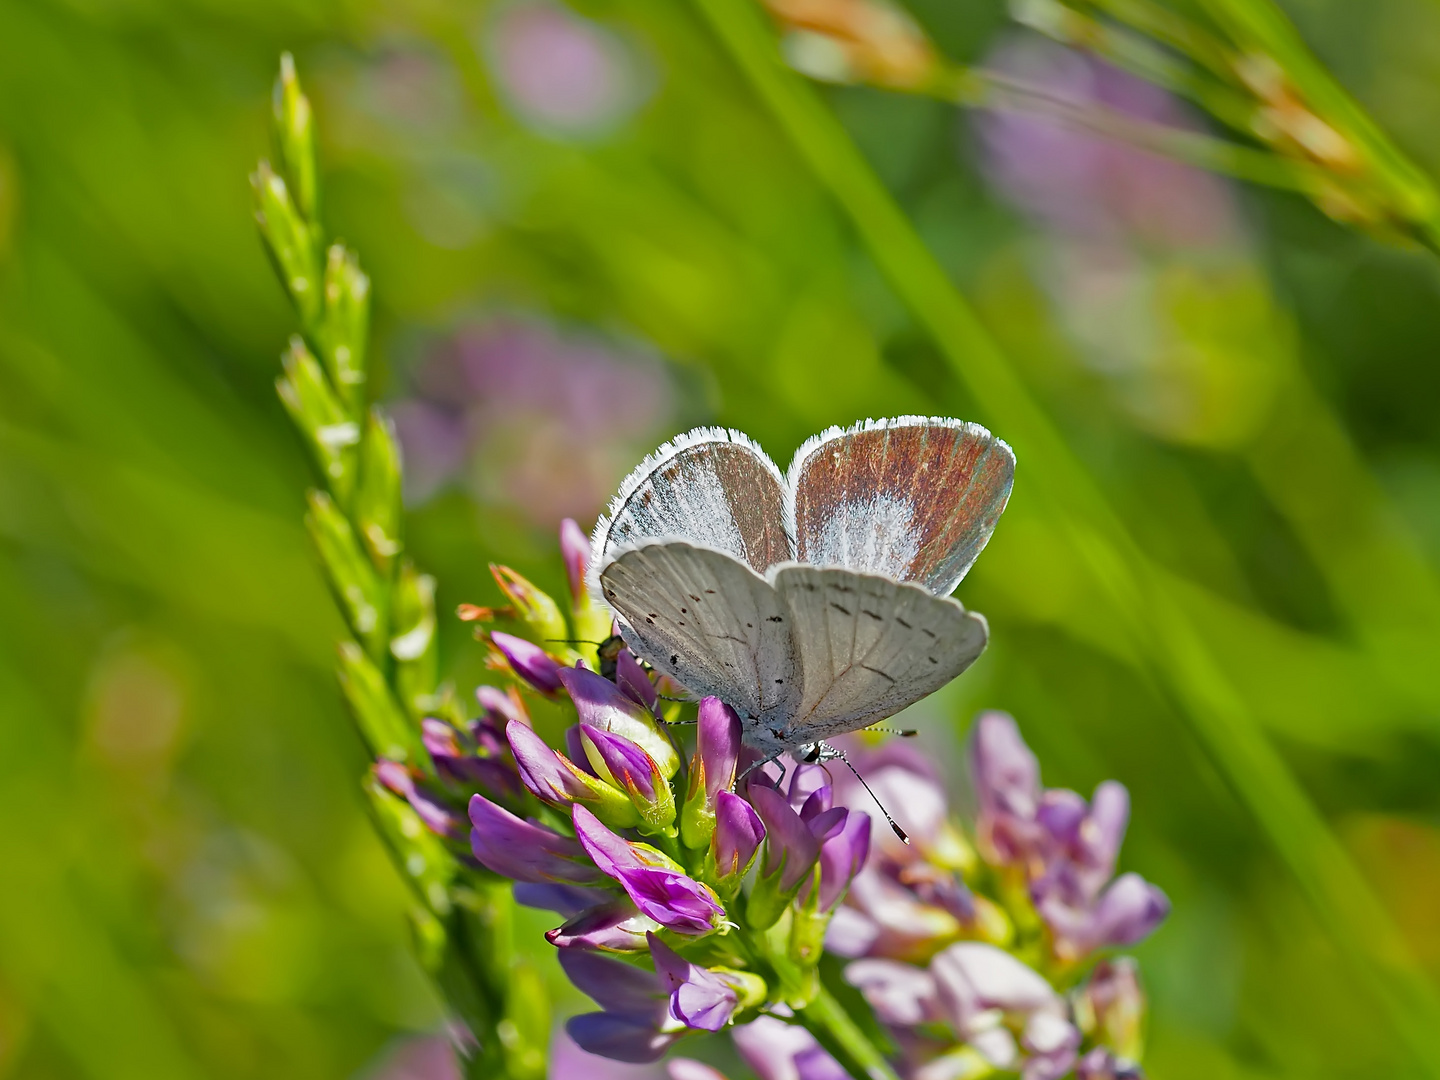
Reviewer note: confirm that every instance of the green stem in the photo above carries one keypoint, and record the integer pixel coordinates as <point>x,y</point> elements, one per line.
<point>1170,653</point>
<point>828,1021</point>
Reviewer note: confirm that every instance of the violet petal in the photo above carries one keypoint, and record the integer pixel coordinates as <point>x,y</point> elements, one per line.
<point>788,841</point>
<point>617,987</point>
<point>529,661</point>
<point>619,1037</point>
<point>523,850</point>
<point>614,927</point>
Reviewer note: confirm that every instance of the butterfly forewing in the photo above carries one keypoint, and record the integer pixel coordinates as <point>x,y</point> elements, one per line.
<point>911,499</point>
<point>709,622</point>
<point>869,646</point>
<point>713,487</point>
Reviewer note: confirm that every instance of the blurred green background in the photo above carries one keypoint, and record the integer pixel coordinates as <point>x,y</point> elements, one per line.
<point>586,234</point>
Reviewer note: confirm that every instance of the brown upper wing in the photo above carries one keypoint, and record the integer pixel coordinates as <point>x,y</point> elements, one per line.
<point>913,499</point>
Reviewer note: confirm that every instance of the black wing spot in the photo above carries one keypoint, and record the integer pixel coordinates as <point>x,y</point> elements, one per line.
<point>837,607</point>
<point>654,614</point>
<point>749,626</point>
<point>684,611</point>
<point>650,620</point>
<point>928,632</point>
<point>695,598</point>
<point>709,592</point>
<point>877,618</point>
<point>779,682</point>
<point>903,623</point>
<point>888,678</point>
<point>842,588</point>
<point>682,622</point>
<point>810,586</point>
<point>775,618</point>
<point>674,659</point>
<point>932,660</point>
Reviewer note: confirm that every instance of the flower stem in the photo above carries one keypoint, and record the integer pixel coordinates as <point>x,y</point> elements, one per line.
<point>828,1021</point>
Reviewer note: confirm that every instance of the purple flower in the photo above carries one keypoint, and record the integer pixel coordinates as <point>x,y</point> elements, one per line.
<point>1007,786</point>
<point>698,998</point>
<point>432,809</point>
<point>575,552</point>
<point>1125,913</point>
<point>618,760</point>
<point>776,1050</point>
<point>712,770</point>
<point>617,987</point>
<point>461,766</point>
<point>900,994</point>
<point>500,707</point>
<point>530,662</point>
<point>620,1036</point>
<point>615,926</point>
<point>983,991</point>
<point>563,899</point>
<point>738,832</point>
<point>523,850</point>
<point>659,888</point>
<point>1084,184</point>
<point>791,848</point>
<point>602,704</point>
<point>561,73</point>
<point>841,857</point>
<point>556,779</point>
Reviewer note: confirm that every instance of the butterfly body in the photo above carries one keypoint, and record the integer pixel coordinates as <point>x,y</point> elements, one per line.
<point>808,601</point>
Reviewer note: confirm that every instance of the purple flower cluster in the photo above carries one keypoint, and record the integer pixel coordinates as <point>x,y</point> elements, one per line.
<point>959,947</point>
<point>698,893</point>
<point>646,856</point>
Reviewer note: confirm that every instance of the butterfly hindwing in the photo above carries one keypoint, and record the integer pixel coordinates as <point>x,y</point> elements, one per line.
<point>711,486</point>
<point>708,621</point>
<point>914,499</point>
<point>869,646</point>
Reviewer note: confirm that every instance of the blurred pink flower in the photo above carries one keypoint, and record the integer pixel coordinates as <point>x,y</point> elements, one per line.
<point>1086,185</point>
<point>529,417</point>
<point>560,72</point>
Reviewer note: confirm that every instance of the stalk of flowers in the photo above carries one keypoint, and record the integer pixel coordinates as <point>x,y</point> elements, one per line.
<point>691,898</point>
<point>992,951</point>
<point>425,748</point>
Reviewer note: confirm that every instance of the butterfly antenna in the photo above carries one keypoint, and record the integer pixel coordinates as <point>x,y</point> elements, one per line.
<point>904,733</point>
<point>571,641</point>
<point>894,825</point>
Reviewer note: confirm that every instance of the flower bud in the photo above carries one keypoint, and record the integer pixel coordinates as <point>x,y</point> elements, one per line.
<point>712,770</point>
<point>601,704</point>
<point>791,850</point>
<point>523,850</point>
<point>533,606</point>
<point>591,620</point>
<point>658,887</point>
<point>737,835</point>
<point>529,662</point>
<point>620,762</point>
<point>556,779</point>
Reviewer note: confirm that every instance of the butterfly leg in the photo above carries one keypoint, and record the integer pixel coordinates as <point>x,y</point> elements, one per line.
<point>775,757</point>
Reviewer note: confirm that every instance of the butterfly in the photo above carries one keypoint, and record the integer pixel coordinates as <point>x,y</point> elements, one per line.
<point>813,602</point>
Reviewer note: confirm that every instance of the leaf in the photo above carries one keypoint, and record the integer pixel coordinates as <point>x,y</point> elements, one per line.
<point>321,418</point>
<point>360,590</point>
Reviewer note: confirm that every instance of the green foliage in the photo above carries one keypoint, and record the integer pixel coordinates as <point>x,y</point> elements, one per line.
<point>150,508</point>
